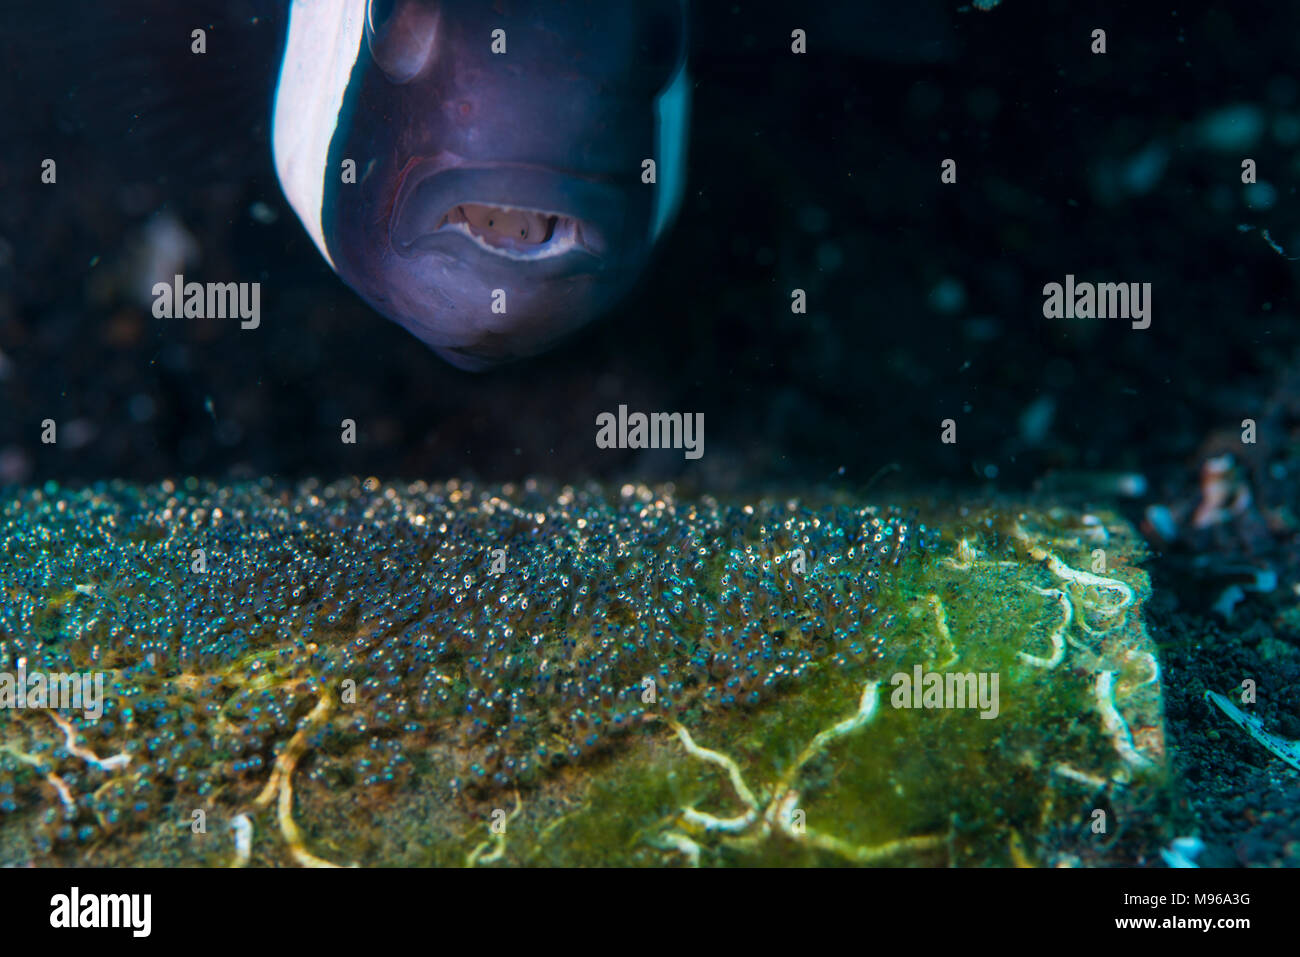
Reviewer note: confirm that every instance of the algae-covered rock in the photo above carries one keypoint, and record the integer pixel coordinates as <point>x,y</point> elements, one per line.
<point>542,674</point>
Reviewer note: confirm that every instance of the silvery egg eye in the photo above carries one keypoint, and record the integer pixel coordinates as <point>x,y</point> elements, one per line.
<point>402,36</point>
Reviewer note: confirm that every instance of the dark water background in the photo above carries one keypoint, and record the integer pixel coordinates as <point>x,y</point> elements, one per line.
<point>819,172</point>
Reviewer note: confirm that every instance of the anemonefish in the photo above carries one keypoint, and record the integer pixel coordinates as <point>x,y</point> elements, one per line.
<point>490,175</point>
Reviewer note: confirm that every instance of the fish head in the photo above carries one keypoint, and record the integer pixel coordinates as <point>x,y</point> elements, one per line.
<point>478,172</point>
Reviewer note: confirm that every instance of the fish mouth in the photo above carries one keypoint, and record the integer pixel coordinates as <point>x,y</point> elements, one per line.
<point>515,232</point>
<point>513,212</point>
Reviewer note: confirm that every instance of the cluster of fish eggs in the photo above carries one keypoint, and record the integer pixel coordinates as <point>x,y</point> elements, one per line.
<point>522,627</point>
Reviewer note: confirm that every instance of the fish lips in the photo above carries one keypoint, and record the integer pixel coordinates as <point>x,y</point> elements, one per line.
<point>585,215</point>
<point>441,274</point>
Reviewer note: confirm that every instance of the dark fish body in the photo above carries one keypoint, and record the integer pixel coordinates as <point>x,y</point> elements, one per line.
<point>475,171</point>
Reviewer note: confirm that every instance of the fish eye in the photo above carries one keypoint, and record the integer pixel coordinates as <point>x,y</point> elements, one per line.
<point>401,35</point>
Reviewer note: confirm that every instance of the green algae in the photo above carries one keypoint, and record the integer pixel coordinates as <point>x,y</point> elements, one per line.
<point>1008,791</point>
<point>920,787</point>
